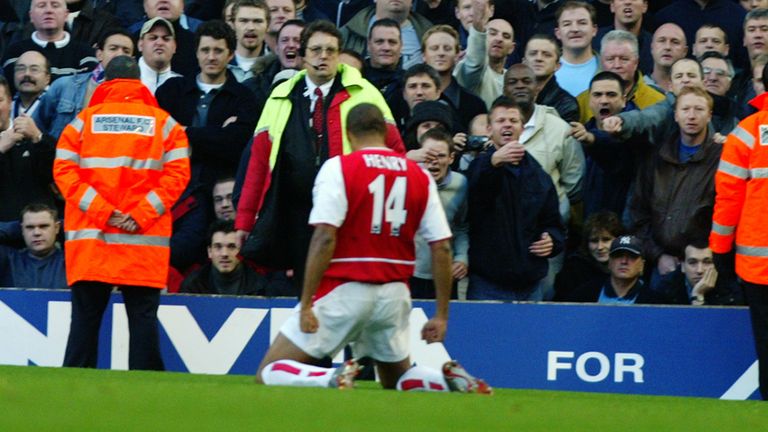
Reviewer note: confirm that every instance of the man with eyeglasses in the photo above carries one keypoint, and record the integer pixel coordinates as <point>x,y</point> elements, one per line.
<point>718,76</point>
<point>302,125</point>
<point>31,76</point>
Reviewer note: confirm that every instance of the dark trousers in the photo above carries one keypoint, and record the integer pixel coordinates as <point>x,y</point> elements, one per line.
<point>89,300</point>
<point>757,299</point>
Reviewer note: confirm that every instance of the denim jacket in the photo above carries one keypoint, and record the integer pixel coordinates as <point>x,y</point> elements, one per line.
<point>61,103</point>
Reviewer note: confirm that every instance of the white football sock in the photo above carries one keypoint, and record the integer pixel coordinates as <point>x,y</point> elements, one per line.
<point>293,373</point>
<point>420,378</point>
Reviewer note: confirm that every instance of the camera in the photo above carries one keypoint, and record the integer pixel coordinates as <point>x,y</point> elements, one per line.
<point>475,142</point>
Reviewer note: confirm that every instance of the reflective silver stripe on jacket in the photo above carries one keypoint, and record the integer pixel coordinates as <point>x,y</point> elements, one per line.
<point>156,202</point>
<point>744,136</point>
<point>87,199</point>
<point>68,155</point>
<point>169,125</point>
<point>733,170</point>
<point>759,172</point>
<point>125,239</point>
<point>77,124</point>
<point>176,154</point>
<point>722,229</point>
<point>121,162</point>
<point>755,251</point>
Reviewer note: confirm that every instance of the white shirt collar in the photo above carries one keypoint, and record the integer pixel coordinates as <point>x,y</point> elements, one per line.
<point>325,88</point>
<point>529,126</point>
<point>61,43</point>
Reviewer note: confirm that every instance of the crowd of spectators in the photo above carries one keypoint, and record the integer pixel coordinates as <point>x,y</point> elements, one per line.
<point>574,143</point>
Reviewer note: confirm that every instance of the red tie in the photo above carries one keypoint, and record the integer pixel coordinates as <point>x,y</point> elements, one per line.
<point>317,117</point>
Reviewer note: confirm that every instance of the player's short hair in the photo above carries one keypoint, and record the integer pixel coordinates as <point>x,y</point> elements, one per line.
<point>366,119</point>
<point>441,28</point>
<point>386,22</point>
<point>38,207</point>
<point>216,29</point>
<point>696,91</point>
<point>608,76</point>
<point>575,4</point>
<point>421,69</point>
<point>546,37</point>
<point>701,69</point>
<point>438,134</point>
<point>219,225</point>
<point>258,4</point>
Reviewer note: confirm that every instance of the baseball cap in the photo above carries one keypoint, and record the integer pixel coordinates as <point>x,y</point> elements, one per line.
<point>156,20</point>
<point>627,243</point>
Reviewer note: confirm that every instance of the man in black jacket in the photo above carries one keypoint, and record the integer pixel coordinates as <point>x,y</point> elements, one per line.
<point>218,113</point>
<point>514,220</point>
<point>225,274</point>
<point>542,54</point>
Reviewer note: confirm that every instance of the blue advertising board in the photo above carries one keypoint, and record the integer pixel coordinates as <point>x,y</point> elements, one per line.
<point>680,351</point>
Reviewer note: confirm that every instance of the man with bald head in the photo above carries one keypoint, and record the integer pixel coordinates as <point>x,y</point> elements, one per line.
<point>668,46</point>
<point>490,42</point>
<point>31,76</point>
<point>691,14</point>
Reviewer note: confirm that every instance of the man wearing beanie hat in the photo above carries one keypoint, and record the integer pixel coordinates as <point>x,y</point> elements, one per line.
<point>425,116</point>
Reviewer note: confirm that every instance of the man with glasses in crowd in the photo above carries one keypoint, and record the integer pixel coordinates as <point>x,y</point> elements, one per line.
<point>302,125</point>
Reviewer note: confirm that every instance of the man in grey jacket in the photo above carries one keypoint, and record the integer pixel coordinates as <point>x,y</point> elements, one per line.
<point>412,27</point>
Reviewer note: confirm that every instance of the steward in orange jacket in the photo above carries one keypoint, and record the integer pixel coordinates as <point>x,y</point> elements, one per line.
<point>741,185</point>
<point>121,153</point>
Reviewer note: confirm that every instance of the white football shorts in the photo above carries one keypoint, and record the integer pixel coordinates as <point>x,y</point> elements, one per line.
<point>373,319</point>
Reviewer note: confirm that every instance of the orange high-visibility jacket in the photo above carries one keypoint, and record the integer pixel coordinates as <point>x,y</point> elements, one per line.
<point>741,203</point>
<point>121,153</point>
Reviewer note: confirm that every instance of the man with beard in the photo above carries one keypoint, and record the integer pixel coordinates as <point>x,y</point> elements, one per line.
<point>251,18</point>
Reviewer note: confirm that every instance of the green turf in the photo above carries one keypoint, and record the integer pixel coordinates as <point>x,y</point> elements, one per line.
<point>51,399</point>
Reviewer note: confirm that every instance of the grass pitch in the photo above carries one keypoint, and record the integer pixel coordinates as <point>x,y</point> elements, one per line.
<point>53,399</point>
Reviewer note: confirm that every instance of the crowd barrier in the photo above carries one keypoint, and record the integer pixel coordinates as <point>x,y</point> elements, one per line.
<point>678,351</point>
